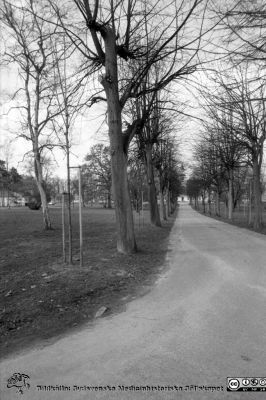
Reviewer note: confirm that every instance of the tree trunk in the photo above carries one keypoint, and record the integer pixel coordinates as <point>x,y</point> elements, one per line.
<point>162,206</point>
<point>168,212</point>
<point>39,181</point>
<point>69,201</point>
<point>162,203</point>
<point>124,217</point>
<point>217,204</point>
<point>203,202</point>
<point>154,210</point>
<point>250,202</point>
<point>209,203</point>
<point>230,196</point>
<point>8,195</point>
<point>257,221</point>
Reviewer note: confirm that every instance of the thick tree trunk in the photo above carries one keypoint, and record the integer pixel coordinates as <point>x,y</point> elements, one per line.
<point>124,217</point>
<point>257,221</point>
<point>39,181</point>
<point>154,210</point>
<point>36,152</point>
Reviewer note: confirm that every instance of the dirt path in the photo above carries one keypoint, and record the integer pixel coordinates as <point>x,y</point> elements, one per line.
<point>203,321</point>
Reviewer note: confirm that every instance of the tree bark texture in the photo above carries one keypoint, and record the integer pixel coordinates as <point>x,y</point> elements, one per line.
<point>124,217</point>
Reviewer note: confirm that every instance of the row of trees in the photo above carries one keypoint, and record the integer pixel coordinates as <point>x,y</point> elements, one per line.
<point>130,55</point>
<point>97,180</point>
<point>134,49</point>
<point>229,155</point>
<point>231,149</point>
<point>163,173</point>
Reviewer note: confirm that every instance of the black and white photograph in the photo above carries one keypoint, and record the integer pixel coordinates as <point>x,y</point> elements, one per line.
<point>132,199</point>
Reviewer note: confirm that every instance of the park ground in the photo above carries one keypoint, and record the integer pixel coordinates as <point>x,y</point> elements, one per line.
<point>43,297</point>
<point>202,322</point>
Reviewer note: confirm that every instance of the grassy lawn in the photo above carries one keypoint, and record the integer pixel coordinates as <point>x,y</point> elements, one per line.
<point>41,297</point>
<point>240,216</point>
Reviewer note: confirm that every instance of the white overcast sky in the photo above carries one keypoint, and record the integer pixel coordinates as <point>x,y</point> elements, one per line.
<point>85,132</point>
<point>88,129</point>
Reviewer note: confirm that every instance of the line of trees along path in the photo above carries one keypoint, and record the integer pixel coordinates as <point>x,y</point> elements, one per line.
<point>130,51</point>
<point>121,34</point>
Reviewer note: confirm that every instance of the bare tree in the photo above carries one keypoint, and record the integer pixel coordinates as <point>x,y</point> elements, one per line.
<point>239,108</point>
<point>246,29</point>
<point>117,38</point>
<point>168,166</point>
<point>70,99</point>
<point>147,135</point>
<point>98,163</point>
<point>29,47</point>
<point>212,150</point>
<point>193,188</point>
<point>224,152</point>
<point>203,172</point>
<point>137,178</point>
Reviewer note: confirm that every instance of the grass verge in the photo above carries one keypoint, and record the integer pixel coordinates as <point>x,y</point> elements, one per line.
<point>41,297</point>
<point>239,218</point>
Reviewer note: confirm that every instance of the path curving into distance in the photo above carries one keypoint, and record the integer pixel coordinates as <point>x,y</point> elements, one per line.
<point>203,321</point>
